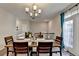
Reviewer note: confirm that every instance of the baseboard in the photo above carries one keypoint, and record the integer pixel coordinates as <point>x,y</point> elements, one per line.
<point>2,52</point>
<point>71,53</point>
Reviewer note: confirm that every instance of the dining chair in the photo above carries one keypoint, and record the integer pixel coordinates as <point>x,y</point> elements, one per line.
<point>58,44</point>
<point>9,41</point>
<point>44,47</point>
<point>40,35</point>
<point>26,35</point>
<point>21,48</point>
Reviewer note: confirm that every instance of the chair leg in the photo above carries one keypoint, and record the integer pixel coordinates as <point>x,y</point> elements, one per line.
<point>37,54</point>
<point>30,50</point>
<point>60,51</point>
<point>30,53</point>
<point>15,53</point>
<point>7,52</point>
<point>27,54</point>
<point>50,53</point>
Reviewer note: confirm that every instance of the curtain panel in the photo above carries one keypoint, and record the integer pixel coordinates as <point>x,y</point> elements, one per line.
<point>62,22</point>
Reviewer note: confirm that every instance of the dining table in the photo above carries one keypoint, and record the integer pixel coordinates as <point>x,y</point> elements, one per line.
<point>31,42</point>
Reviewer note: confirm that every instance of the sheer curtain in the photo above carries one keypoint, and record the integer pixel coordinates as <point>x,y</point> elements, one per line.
<point>68,33</point>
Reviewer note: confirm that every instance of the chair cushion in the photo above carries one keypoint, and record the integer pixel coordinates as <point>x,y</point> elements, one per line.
<point>43,51</point>
<point>44,48</point>
<point>21,51</point>
<point>56,45</point>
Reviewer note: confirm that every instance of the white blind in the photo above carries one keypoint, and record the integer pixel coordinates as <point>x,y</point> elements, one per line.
<point>73,11</point>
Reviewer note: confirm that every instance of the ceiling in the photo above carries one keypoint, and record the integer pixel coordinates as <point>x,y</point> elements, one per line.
<point>49,10</point>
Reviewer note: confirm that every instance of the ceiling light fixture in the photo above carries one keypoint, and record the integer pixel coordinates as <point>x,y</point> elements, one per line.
<point>34,12</point>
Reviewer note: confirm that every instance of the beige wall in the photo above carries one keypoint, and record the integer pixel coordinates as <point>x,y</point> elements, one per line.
<point>7,26</point>
<point>55,26</point>
<point>36,27</point>
<point>23,26</point>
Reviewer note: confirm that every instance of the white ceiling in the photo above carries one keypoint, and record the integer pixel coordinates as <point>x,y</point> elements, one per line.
<point>48,9</point>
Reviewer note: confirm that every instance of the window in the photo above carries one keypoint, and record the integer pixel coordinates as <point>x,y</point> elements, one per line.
<point>68,33</point>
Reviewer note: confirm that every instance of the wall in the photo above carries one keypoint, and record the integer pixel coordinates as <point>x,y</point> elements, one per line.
<point>55,26</point>
<point>18,24</point>
<point>23,26</point>
<point>36,27</point>
<point>7,26</point>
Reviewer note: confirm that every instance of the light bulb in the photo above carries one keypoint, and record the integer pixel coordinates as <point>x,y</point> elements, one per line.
<point>31,14</point>
<point>34,7</point>
<point>27,9</point>
<point>36,14</point>
<point>39,11</point>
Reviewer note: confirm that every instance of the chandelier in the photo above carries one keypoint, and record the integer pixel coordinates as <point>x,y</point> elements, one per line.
<point>33,12</point>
